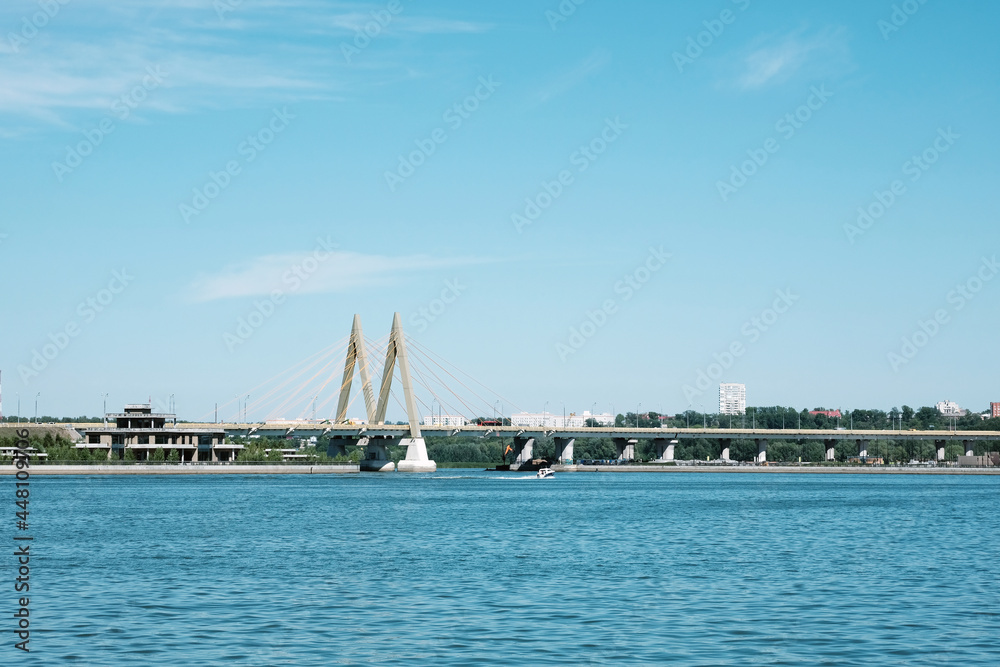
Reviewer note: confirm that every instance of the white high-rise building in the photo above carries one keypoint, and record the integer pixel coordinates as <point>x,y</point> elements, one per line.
<point>732,398</point>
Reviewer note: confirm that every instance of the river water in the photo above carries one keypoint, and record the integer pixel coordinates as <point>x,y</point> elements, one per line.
<point>474,568</point>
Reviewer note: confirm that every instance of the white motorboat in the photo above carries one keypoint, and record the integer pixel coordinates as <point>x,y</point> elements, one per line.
<point>545,472</point>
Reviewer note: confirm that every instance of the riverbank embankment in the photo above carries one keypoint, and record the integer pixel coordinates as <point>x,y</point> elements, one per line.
<point>809,470</point>
<point>187,469</point>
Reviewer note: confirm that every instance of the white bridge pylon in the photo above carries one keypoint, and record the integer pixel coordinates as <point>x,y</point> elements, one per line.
<point>376,449</point>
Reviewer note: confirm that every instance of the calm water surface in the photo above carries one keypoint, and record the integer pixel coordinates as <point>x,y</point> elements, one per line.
<point>484,568</point>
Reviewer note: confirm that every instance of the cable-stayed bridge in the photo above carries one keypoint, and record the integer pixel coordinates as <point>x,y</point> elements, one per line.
<point>437,378</point>
<point>309,388</point>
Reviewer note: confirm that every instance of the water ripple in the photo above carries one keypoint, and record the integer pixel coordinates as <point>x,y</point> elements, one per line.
<point>613,569</point>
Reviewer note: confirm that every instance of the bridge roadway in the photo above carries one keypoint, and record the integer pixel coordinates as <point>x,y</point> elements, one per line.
<point>625,439</point>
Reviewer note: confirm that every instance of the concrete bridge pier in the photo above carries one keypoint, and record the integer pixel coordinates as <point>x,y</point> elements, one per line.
<point>524,451</point>
<point>939,444</point>
<point>565,448</point>
<point>761,450</point>
<point>967,445</point>
<point>626,448</point>
<point>862,449</point>
<point>831,451</point>
<point>339,446</point>
<point>725,443</point>
<point>664,449</point>
<point>375,457</point>
<point>416,457</point>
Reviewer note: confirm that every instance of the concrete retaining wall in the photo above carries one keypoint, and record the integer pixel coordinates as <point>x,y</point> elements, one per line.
<point>189,469</point>
<point>823,470</point>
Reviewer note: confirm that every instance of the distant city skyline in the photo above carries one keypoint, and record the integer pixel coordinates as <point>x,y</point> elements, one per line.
<point>631,205</point>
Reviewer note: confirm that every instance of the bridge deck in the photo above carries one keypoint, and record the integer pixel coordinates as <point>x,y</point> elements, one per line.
<point>308,429</point>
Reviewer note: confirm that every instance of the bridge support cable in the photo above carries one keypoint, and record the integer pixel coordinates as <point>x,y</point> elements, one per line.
<point>332,349</point>
<point>290,401</point>
<point>468,411</point>
<point>261,401</point>
<point>437,359</point>
<point>488,404</point>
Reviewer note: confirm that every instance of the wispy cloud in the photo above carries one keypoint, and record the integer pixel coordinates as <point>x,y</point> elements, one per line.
<point>567,81</point>
<point>261,52</point>
<point>350,22</point>
<point>433,26</point>
<point>339,271</point>
<point>50,90</point>
<point>776,58</point>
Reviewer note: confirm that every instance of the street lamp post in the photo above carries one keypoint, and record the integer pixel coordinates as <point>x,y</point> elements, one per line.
<point>545,421</point>
<point>18,407</point>
<point>36,406</point>
<point>637,415</point>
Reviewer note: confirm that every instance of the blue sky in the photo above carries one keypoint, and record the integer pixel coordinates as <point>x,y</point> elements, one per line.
<point>715,154</point>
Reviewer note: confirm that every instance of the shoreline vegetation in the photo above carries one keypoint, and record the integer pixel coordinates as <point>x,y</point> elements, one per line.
<point>479,452</point>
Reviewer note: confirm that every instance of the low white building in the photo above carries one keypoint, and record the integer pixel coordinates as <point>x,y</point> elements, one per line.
<point>547,419</point>
<point>950,409</point>
<point>445,420</point>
